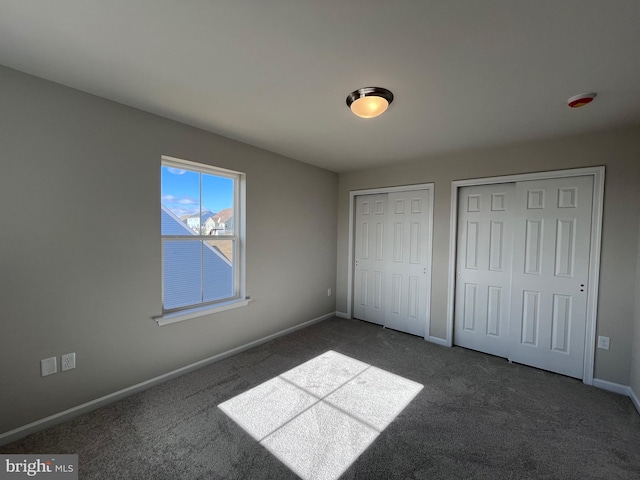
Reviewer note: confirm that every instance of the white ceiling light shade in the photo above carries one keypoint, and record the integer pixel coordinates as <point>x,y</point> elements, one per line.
<point>369,102</point>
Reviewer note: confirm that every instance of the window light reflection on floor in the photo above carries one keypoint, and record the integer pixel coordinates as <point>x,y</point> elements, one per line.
<point>320,416</point>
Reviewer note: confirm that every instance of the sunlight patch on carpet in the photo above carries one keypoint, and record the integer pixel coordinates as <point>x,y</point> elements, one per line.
<point>319,417</point>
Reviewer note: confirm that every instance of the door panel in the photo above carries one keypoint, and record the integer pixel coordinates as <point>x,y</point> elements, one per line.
<point>483,271</point>
<point>552,234</point>
<point>409,239</point>
<point>369,258</point>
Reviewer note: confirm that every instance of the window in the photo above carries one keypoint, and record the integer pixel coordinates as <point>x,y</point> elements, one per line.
<point>202,237</point>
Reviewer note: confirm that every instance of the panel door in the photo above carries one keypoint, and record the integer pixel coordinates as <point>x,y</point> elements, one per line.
<point>483,268</point>
<point>408,240</point>
<point>552,233</point>
<point>370,258</point>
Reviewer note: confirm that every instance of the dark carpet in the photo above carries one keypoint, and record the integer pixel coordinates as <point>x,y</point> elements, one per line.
<point>477,417</point>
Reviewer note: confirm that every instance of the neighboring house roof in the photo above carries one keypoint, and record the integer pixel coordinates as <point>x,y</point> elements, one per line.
<point>185,283</point>
<point>171,224</point>
<point>199,219</point>
<point>224,215</point>
<point>206,216</point>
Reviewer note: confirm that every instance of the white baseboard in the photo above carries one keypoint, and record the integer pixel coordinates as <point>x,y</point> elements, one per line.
<point>20,432</point>
<point>617,388</point>
<point>437,341</point>
<point>343,315</point>
<point>612,387</point>
<point>634,398</point>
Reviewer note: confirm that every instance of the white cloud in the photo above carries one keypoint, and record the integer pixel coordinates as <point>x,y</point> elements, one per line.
<point>173,200</point>
<point>180,211</point>
<point>176,171</point>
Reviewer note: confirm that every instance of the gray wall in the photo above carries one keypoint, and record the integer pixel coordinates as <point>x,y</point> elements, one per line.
<point>635,355</point>
<point>80,246</point>
<point>618,150</point>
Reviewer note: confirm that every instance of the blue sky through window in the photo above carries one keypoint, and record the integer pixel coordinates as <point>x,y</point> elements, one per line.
<point>181,191</point>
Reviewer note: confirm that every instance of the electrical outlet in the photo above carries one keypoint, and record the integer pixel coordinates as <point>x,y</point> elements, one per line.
<point>328,292</point>
<point>48,366</point>
<point>603,342</point>
<point>68,362</point>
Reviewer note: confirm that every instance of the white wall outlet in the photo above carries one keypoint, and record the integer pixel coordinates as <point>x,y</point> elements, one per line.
<point>603,342</point>
<point>328,292</point>
<point>48,366</point>
<point>68,362</point>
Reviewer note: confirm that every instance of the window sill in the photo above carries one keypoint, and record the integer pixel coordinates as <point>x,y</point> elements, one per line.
<point>174,317</point>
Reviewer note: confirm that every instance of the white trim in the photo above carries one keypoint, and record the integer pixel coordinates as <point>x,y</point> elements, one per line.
<point>374,191</point>
<point>634,398</point>
<point>594,275</point>
<point>51,420</point>
<point>612,387</point>
<point>618,388</point>
<point>343,315</point>
<point>199,166</point>
<point>453,240</point>
<point>182,315</point>
<point>594,254</point>
<point>438,341</point>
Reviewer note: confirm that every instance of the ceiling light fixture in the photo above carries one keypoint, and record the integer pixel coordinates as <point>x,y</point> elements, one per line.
<point>369,102</point>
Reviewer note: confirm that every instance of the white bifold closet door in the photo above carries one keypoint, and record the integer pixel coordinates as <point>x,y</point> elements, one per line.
<point>392,238</point>
<point>370,258</point>
<point>522,269</point>
<point>483,268</point>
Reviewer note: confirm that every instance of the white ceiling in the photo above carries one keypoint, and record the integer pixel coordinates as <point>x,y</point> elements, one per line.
<point>275,74</point>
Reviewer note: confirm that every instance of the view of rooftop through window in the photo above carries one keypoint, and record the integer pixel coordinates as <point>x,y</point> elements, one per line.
<point>198,234</point>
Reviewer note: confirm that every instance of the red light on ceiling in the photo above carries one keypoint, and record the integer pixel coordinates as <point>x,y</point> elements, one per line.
<point>581,100</point>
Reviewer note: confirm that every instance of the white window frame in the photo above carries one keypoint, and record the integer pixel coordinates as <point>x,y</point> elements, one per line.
<point>239,254</point>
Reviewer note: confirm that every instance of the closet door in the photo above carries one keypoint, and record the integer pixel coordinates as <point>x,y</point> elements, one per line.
<point>483,268</point>
<point>522,269</point>
<point>552,233</point>
<point>370,258</point>
<point>392,259</point>
<point>408,243</point>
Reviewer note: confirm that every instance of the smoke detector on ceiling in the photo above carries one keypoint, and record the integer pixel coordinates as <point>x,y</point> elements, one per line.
<point>581,100</point>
